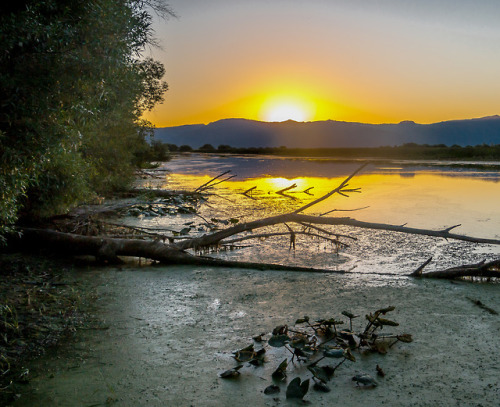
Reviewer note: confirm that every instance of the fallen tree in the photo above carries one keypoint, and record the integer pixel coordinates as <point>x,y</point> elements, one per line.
<point>190,251</point>
<point>482,269</point>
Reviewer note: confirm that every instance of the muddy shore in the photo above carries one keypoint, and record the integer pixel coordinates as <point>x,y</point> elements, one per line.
<point>170,332</point>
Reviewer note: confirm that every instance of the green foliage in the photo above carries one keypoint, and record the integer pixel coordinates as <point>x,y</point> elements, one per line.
<point>73,88</point>
<point>207,147</point>
<point>185,148</point>
<point>61,182</point>
<point>409,151</point>
<point>172,147</point>
<point>156,151</point>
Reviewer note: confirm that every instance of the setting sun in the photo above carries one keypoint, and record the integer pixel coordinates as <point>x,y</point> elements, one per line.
<point>285,112</point>
<point>280,109</point>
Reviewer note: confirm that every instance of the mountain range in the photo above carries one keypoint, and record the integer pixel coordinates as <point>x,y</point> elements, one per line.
<point>331,133</point>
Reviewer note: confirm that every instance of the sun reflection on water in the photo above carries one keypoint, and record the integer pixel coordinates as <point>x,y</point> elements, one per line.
<point>422,199</point>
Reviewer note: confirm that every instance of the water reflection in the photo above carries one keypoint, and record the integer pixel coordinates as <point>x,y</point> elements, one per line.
<point>390,194</point>
<point>247,166</point>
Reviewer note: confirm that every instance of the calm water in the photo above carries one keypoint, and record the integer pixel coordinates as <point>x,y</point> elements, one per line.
<point>418,194</point>
<point>171,329</point>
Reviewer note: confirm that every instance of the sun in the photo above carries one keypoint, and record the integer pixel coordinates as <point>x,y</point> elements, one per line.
<point>285,112</point>
<point>280,109</point>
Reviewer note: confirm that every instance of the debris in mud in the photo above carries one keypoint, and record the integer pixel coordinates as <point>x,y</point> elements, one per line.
<point>231,373</point>
<point>297,389</point>
<point>311,342</point>
<point>365,380</point>
<point>171,205</point>
<point>481,305</point>
<point>380,371</point>
<point>272,389</point>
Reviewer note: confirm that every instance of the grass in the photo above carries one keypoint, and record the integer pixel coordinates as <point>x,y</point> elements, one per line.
<point>39,306</point>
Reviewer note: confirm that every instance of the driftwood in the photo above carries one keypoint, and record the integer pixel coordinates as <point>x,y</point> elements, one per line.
<point>108,250</point>
<point>175,252</point>
<point>481,269</point>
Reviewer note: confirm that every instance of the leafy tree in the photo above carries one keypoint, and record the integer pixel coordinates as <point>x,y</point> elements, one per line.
<point>73,87</point>
<point>185,148</point>
<point>207,147</point>
<point>224,147</point>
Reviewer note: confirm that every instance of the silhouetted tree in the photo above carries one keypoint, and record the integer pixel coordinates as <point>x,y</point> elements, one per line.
<point>207,147</point>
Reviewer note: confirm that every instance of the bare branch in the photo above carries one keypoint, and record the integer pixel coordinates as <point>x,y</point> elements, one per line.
<point>282,191</point>
<point>212,180</point>
<point>481,269</point>
<point>217,183</point>
<point>418,271</point>
<point>298,218</point>
<point>344,210</point>
<point>452,227</point>
<point>249,190</point>
<point>327,232</point>
<point>337,190</point>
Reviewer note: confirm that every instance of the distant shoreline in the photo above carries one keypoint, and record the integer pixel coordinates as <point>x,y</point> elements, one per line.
<point>486,154</point>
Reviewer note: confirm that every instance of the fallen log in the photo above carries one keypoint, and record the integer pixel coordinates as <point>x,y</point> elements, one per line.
<point>108,249</point>
<point>215,238</point>
<point>481,269</point>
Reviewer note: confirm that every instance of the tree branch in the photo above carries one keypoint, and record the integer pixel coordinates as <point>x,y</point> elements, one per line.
<point>481,269</point>
<point>336,190</point>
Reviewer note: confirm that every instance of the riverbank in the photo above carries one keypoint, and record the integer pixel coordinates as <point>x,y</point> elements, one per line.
<point>171,331</point>
<point>42,303</point>
<point>477,156</point>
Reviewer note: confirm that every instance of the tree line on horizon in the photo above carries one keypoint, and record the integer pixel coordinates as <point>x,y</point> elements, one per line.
<point>74,83</point>
<point>407,150</point>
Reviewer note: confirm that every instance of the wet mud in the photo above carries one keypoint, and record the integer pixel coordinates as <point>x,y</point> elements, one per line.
<point>171,331</point>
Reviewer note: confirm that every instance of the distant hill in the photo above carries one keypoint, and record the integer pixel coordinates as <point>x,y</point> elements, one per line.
<point>331,134</point>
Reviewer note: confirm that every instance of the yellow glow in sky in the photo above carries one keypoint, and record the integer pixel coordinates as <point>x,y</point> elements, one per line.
<point>358,61</point>
<point>284,112</point>
<point>284,108</point>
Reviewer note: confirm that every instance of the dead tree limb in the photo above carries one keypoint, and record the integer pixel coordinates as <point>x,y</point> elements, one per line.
<point>282,191</point>
<point>339,190</point>
<point>326,232</point>
<point>216,183</point>
<point>214,238</point>
<point>207,184</point>
<point>344,210</point>
<point>108,249</point>
<point>481,269</point>
<point>418,271</point>
<point>249,191</point>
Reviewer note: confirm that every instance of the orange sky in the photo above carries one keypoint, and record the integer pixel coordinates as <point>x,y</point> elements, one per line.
<point>365,60</point>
